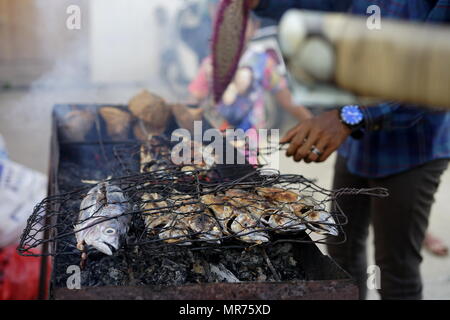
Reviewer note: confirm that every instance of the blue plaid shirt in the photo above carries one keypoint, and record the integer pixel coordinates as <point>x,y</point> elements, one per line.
<point>397,137</point>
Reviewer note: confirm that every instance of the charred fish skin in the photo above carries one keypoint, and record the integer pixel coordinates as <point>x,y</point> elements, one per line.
<point>102,218</point>
<point>222,211</point>
<point>169,225</point>
<point>247,228</point>
<point>175,232</point>
<point>253,203</point>
<point>286,221</point>
<point>199,221</point>
<point>205,227</point>
<point>321,222</point>
<point>278,194</point>
<point>155,211</point>
<point>236,221</point>
<point>281,214</point>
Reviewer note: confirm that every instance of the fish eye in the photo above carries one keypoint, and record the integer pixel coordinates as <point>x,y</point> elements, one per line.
<point>110,231</point>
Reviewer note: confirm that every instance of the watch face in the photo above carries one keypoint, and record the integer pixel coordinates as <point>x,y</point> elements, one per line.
<point>352,115</point>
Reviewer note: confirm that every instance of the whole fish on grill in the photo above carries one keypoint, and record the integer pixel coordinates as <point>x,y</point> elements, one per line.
<point>278,194</point>
<point>317,220</point>
<point>234,220</point>
<point>158,219</point>
<point>176,231</point>
<point>282,216</point>
<point>321,222</point>
<point>102,219</point>
<point>253,203</point>
<point>248,229</point>
<point>222,211</point>
<point>201,223</point>
<point>155,211</point>
<point>258,207</point>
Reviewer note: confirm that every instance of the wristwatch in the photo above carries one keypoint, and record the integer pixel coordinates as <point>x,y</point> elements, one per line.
<point>353,118</point>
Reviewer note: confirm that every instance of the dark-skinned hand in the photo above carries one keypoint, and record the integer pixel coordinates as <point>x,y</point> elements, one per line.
<point>325,132</point>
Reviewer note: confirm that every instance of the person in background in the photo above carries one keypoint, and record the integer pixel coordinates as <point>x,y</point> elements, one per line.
<point>195,27</point>
<point>242,105</point>
<point>402,148</point>
<point>435,245</point>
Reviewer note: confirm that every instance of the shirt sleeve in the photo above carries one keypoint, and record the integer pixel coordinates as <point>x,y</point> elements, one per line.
<point>440,12</point>
<point>275,9</point>
<point>390,116</point>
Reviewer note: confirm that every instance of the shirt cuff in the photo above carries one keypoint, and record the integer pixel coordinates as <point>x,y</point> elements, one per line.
<point>375,116</point>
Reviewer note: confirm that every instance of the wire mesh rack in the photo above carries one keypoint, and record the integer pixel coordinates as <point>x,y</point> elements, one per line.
<point>161,204</point>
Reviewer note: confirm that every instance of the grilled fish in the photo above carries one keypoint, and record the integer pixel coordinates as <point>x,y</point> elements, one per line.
<point>158,219</point>
<point>247,228</point>
<point>222,211</point>
<point>200,222</point>
<point>286,220</point>
<point>321,222</point>
<point>156,214</point>
<point>255,204</point>
<point>176,231</point>
<point>101,221</point>
<point>278,194</point>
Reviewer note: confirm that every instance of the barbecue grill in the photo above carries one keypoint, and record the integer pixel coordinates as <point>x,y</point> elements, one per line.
<point>289,266</point>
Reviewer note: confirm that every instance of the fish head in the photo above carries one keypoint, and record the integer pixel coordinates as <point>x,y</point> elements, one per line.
<point>104,236</point>
<point>323,222</point>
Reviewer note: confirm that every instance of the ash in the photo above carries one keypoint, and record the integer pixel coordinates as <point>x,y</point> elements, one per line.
<point>164,264</point>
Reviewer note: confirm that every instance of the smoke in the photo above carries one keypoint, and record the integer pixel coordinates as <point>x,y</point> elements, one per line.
<point>117,52</point>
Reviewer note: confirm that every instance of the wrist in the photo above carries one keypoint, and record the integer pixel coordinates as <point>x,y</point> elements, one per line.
<point>337,115</point>
<point>302,114</point>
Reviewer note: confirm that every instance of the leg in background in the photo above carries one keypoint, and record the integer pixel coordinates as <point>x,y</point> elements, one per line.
<point>351,255</point>
<point>400,222</point>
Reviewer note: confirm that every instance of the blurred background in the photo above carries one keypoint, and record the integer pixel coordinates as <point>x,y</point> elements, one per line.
<point>121,47</point>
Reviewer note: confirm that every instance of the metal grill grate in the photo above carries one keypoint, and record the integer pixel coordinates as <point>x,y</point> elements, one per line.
<point>168,205</point>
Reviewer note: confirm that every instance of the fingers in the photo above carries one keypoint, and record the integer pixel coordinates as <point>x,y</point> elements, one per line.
<point>327,153</point>
<point>297,141</point>
<point>321,145</point>
<point>289,135</point>
<point>305,150</point>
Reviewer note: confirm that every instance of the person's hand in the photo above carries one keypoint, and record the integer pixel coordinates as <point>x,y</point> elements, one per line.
<point>253,3</point>
<point>323,133</point>
<point>302,114</point>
